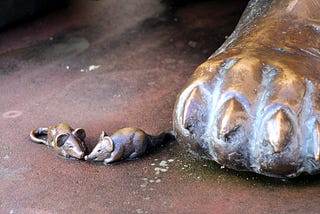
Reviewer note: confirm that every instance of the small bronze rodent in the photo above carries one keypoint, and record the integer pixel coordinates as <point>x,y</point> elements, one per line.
<point>66,141</point>
<point>126,144</point>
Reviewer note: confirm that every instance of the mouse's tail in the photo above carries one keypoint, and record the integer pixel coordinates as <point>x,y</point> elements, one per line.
<point>39,135</point>
<point>161,139</point>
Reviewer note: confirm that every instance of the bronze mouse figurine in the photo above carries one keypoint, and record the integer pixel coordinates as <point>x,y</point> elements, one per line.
<point>66,141</point>
<point>125,144</point>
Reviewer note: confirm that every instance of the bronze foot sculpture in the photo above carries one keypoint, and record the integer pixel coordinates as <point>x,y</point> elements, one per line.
<point>255,104</point>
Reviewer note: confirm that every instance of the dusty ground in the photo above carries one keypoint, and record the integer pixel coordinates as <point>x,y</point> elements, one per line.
<point>142,55</point>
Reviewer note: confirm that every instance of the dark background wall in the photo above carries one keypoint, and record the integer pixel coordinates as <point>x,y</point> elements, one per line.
<point>12,11</point>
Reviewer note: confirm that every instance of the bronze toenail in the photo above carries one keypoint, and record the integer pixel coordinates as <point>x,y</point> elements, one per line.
<point>232,117</point>
<point>279,131</point>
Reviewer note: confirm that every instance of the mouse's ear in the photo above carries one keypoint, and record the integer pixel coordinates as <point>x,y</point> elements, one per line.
<point>61,139</point>
<point>103,134</point>
<point>109,144</point>
<point>79,133</point>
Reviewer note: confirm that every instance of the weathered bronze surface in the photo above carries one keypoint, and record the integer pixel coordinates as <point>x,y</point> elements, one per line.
<point>125,144</point>
<point>255,104</point>
<point>65,141</point>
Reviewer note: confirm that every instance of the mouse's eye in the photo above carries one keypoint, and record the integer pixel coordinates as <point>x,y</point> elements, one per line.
<point>99,150</point>
<point>70,146</point>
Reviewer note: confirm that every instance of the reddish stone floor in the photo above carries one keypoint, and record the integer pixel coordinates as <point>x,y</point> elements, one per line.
<point>104,65</point>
